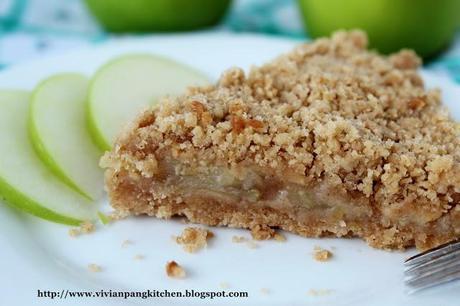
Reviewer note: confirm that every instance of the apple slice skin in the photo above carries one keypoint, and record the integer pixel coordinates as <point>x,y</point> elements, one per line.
<point>14,104</point>
<point>117,74</point>
<point>76,84</point>
<point>20,201</point>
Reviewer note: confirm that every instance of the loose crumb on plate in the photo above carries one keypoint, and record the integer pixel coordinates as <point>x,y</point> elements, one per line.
<point>320,254</point>
<point>85,227</point>
<point>279,237</point>
<point>193,239</point>
<point>174,270</point>
<point>74,232</point>
<point>224,285</point>
<point>264,291</point>
<point>319,292</point>
<point>94,268</point>
<point>126,243</point>
<point>239,239</point>
<point>139,257</point>
<point>252,245</point>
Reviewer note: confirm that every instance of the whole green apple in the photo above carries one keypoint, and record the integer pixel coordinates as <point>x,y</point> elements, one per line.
<point>157,15</point>
<point>427,26</point>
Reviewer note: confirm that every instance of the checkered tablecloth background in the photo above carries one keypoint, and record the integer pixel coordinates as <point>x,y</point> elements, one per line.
<point>31,28</point>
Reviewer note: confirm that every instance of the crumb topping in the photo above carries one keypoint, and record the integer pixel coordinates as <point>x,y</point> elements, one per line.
<point>174,270</point>
<point>117,215</point>
<point>260,232</point>
<point>328,111</point>
<point>193,239</point>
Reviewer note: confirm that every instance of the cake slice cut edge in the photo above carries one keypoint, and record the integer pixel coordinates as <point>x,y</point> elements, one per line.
<point>327,140</point>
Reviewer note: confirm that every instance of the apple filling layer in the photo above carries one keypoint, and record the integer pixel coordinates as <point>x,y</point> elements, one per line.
<point>246,186</point>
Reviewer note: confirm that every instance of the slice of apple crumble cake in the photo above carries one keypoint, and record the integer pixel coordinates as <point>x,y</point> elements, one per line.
<point>327,140</point>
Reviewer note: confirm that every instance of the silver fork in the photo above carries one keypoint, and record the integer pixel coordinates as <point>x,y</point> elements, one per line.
<point>433,267</point>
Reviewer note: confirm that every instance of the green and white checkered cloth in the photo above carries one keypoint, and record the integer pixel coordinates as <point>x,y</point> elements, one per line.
<point>31,28</point>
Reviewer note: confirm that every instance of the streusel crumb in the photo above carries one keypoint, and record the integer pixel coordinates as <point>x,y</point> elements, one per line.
<point>224,285</point>
<point>94,268</point>
<point>252,245</point>
<point>174,270</point>
<point>319,292</point>
<point>260,232</point>
<point>264,291</point>
<point>320,254</point>
<point>126,243</point>
<point>239,239</point>
<point>86,227</point>
<point>279,237</point>
<point>193,239</point>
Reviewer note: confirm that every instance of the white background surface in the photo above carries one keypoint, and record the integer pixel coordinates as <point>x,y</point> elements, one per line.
<point>39,255</point>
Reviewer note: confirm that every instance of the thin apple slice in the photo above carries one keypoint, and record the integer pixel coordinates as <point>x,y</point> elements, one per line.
<point>24,181</point>
<point>59,133</point>
<point>127,84</point>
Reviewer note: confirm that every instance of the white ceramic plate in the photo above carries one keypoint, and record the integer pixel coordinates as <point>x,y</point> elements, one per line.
<point>38,255</point>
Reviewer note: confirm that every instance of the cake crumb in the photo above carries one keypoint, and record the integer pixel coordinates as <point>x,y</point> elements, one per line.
<point>261,232</point>
<point>139,257</point>
<point>224,285</point>
<point>174,270</point>
<point>252,245</point>
<point>239,239</point>
<point>265,291</point>
<point>126,243</point>
<point>86,227</point>
<point>74,232</point>
<point>193,239</point>
<point>319,292</point>
<point>117,215</point>
<point>94,268</point>
<point>279,237</point>
<point>320,254</point>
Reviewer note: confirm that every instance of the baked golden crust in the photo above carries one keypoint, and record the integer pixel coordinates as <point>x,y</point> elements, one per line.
<point>328,116</point>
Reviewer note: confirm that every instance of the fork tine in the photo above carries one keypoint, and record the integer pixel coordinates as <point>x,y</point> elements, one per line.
<point>431,282</point>
<point>444,269</point>
<point>433,253</point>
<point>432,264</point>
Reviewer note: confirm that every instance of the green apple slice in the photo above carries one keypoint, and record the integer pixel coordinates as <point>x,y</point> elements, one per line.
<point>25,182</point>
<point>59,133</point>
<point>124,86</point>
